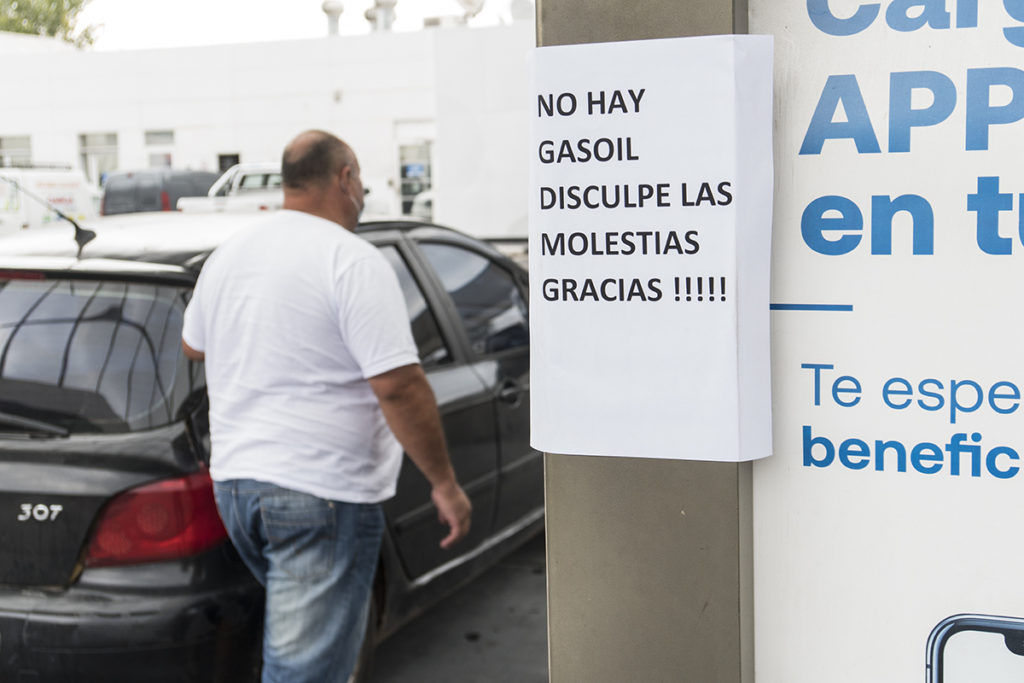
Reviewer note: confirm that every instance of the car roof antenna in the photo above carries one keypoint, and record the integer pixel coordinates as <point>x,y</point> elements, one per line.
<point>82,235</point>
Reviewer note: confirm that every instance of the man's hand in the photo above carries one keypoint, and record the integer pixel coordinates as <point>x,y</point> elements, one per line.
<point>454,510</point>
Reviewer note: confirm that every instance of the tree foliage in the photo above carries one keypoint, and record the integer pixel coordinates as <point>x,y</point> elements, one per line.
<point>57,18</point>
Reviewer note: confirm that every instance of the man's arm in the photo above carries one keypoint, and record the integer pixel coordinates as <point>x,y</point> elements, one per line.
<point>410,409</point>
<point>191,353</point>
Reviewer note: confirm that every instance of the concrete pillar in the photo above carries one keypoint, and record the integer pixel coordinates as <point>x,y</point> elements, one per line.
<point>650,568</point>
<point>570,22</point>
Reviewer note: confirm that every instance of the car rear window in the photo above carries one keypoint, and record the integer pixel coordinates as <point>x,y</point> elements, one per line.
<point>92,356</point>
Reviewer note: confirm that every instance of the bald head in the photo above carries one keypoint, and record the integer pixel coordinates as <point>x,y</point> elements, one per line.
<point>320,175</point>
<point>312,159</point>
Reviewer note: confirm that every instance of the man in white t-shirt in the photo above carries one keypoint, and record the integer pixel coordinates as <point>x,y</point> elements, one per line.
<point>312,375</point>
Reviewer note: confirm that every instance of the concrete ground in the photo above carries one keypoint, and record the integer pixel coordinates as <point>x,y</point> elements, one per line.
<point>493,630</point>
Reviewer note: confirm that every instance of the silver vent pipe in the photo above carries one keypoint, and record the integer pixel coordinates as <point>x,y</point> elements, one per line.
<point>382,14</point>
<point>333,10</point>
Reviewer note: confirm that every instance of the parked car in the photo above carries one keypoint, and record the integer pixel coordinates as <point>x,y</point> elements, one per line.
<point>152,189</point>
<point>423,206</point>
<point>114,565</point>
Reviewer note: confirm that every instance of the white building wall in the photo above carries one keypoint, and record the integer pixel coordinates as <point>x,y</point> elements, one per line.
<point>483,130</point>
<point>466,86</point>
<point>24,43</point>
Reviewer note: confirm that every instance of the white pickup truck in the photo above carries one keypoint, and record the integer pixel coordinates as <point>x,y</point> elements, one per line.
<point>243,187</point>
<point>256,186</point>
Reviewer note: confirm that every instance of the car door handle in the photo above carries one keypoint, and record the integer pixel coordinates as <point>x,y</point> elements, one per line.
<point>510,392</point>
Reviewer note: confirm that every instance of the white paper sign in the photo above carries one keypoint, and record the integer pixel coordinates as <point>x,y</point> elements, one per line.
<point>650,241</point>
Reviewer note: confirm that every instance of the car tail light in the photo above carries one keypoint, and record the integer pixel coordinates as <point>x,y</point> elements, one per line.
<point>165,201</point>
<point>22,275</point>
<point>166,520</point>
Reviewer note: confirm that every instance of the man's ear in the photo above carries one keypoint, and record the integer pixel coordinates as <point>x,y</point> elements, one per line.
<point>345,177</point>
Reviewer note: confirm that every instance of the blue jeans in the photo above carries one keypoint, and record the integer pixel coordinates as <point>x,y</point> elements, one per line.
<point>316,558</point>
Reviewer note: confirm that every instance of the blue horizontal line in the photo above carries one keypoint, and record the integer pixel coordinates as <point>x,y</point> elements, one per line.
<point>811,307</point>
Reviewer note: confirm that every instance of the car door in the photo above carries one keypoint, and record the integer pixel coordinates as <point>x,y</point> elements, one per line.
<point>465,406</point>
<point>488,297</point>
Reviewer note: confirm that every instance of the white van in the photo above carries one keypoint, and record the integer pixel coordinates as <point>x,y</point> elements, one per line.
<point>25,192</point>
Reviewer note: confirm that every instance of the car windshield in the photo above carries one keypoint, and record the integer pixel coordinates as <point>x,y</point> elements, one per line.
<point>91,356</point>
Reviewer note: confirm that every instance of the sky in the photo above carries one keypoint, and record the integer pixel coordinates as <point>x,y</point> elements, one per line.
<point>139,24</point>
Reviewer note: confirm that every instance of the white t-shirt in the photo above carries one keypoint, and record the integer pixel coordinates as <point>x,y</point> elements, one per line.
<point>294,314</point>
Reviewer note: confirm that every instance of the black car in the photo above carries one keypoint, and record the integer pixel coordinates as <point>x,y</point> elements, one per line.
<point>157,189</point>
<point>114,565</point>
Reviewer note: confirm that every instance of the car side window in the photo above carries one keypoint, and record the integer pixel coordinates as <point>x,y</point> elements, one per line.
<point>486,296</point>
<point>253,181</point>
<point>431,345</point>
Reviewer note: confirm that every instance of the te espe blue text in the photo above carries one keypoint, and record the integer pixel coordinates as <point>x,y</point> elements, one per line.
<point>964,453</point>
<point>953,397</point>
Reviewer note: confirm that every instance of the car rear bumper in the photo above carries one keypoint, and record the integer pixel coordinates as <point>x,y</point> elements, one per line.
<point>85,635</point>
